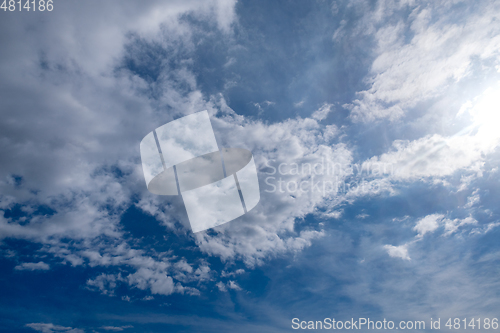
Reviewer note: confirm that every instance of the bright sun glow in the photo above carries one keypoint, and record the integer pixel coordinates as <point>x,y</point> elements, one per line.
<point>485,112</point>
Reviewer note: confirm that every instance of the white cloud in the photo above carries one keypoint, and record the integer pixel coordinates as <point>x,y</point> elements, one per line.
<point>335,214</point>
<point>221,286</point>
<point>31,266</point>
<point>154,272</point>
<point>51,328</point>
<point>439,52</point>
<point>182,265</point>
<point>77,83</point>
<point>94,115</point>
<point>257,235</point>
<point>473,199</point>
<point>157,282</point>
<point>233,285</point>
<point>322,112</point>
<point>434,275</point>
<point>490,226</point>
<point>398,251</point>
<point>436,158</point>
<point>235,273</point>
<point>102,114</point>
<point>115,328</point>
<point>401,219</point>
<point>433,156</point>
<point>451,226</point>
<point>428,224</point>
<point>106,283</point>
<point>229,285</point>
<point>485,228</point>
<point>92,45</point>
<point>298,104</point>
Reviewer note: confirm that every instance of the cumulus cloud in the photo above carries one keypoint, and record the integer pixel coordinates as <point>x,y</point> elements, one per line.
<point>158,282</point>
<point>428,224</point>
<point>398,251</point>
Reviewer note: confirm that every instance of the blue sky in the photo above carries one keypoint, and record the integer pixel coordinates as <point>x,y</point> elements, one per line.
<point>410,88</point>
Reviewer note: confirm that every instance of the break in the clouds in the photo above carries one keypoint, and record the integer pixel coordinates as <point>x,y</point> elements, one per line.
<point>373,126</point>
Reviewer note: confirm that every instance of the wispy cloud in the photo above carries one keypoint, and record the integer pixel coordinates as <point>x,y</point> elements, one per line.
<point>31,266</point>
<point>419,55</point>
<point>51,328</point>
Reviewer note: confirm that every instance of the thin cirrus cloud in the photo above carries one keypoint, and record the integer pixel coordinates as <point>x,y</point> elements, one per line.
<point>439,52</point>
<point>51,328</point>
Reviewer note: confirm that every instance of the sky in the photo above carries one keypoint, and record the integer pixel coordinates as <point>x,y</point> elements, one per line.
<point>374,130</point>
